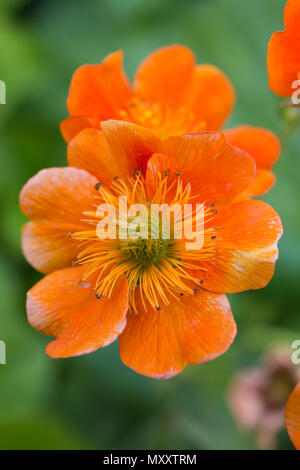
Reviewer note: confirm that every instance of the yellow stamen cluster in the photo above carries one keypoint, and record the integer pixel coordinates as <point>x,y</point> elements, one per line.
<point>156,267</point>
<point>164,120</point>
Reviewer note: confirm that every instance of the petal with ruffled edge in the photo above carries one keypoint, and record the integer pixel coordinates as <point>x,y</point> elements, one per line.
<point>117,151</point>
<point>264,180</point>
<point>284,61</point>
<point>164,75</point>
<point>211,96</point>
<point>99,90</point>
<point>71,126</point>
<point>46,246</point>
<point>246,248</point>
<point>264,146</point>
<point>216,171</point>
<point>64,306</point>
<point>292,417</point>
<point>190,330</point>
<point>55,199</point>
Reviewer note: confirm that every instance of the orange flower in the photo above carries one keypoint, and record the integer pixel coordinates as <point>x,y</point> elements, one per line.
<point>284,52</point>
<point>171,96</point>
<point>292,416</point>
<point>165,302</point>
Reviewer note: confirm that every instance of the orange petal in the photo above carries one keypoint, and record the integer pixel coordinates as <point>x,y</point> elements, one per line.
<point>58,193</point>
<point>283,62</point>
<point>284,52</point>
<point>262,144</point>
<point>71,126</point>
<point>217,171</point>
<point>192,329</point>
<point>55,200</point>
<point>46,246</point>
<point>120,149</point>
<point>246,251</point>
<point>63,306</point>
<point>211,96</point>
<point>263,182</point>
<point>292,417</point>
<point>99,90</point>
<point>165,75</point>
<point>292,17</point>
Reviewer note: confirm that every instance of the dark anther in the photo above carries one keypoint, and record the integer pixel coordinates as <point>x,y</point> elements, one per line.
<point>213,237</point>
<point>214,210</point>
<point>98,296</point>
<point>80,281</point>
<point>116,177</point>
<point>196,291</point>
<point>182,294</point>
<point>212,205</point>
<point>178,173</point>
<point>69,235</point>
<point>137,172</point>
<point>98,185</point>
<point>158,308</point>
<point>166,173</point>
<point>201,280</point>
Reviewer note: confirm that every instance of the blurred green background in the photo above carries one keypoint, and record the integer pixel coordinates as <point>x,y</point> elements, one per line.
<point>95,401</point>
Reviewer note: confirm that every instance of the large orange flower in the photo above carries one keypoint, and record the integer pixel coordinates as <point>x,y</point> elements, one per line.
<point>284,52</point>
<point>171,96</point>
<point>293,417</point>
<point>165,302</point>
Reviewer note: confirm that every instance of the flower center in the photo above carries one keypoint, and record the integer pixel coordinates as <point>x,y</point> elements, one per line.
<point>164,120</point>
<point>145,252</point>
<point>150,253</point>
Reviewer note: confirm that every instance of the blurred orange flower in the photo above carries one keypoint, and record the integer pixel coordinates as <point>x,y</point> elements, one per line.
<point>170,95</point>
<point>166,304</point>
<point>292,416</point>
<point>284,52</point>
